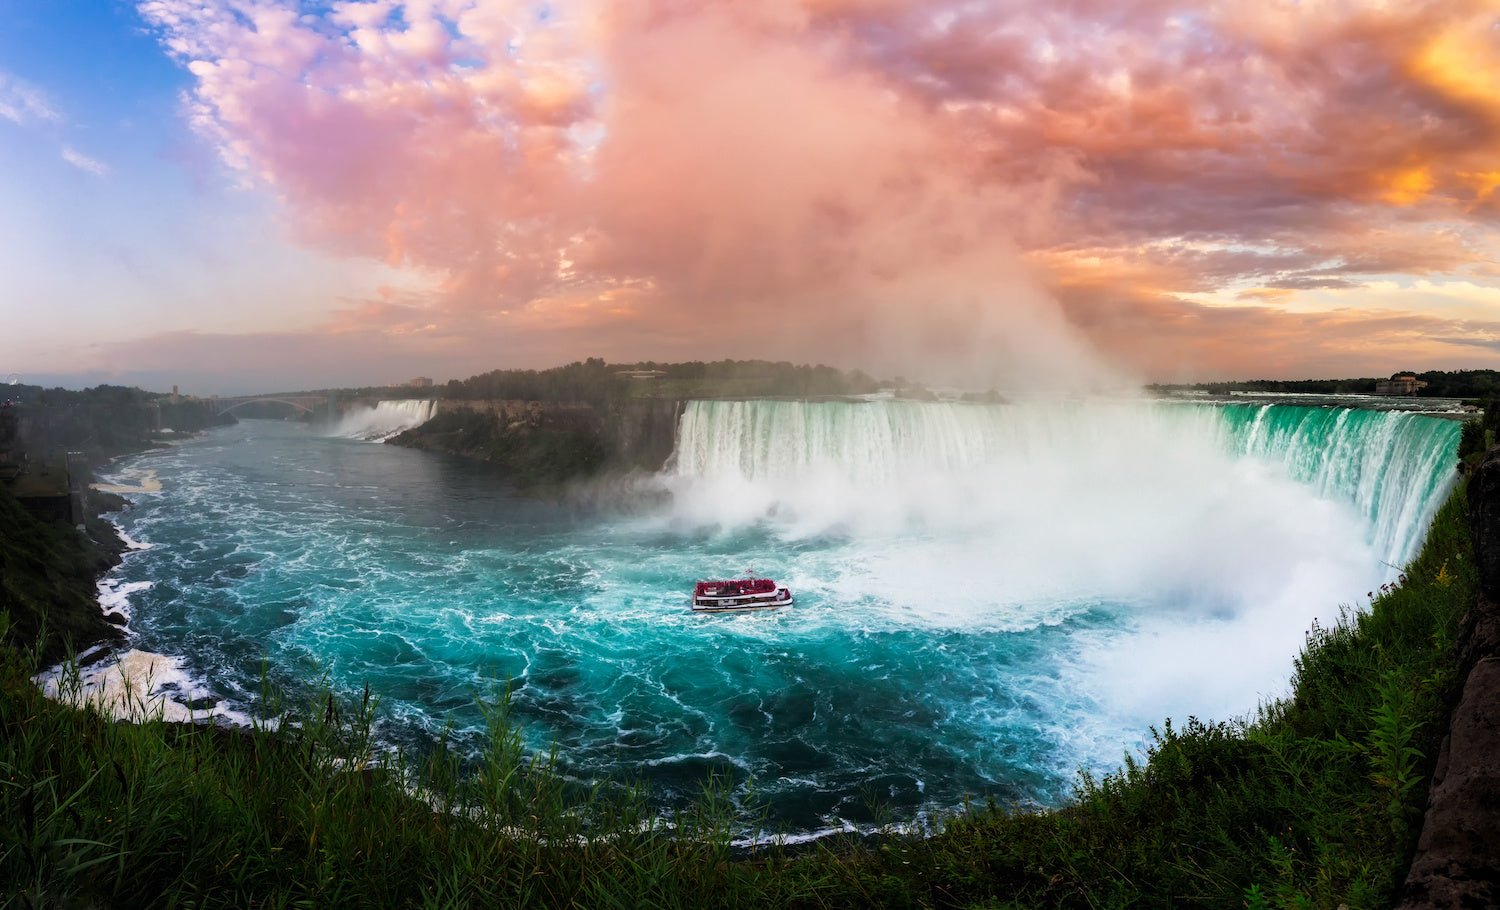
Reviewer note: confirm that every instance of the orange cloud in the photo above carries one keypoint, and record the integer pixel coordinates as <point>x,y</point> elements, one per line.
<point>877,181</point>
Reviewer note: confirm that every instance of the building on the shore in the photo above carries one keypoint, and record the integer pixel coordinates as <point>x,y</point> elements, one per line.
<point>421,382</point>
<point>1400,384</point>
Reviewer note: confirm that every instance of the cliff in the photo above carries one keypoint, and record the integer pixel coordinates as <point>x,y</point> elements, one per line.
<point>105,426</point>
<point>547,442</point>
<point>47,578</point>
<point>1457,862</point>
<point>642,432</point>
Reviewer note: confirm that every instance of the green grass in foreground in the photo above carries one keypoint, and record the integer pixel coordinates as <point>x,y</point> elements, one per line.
<point>1313,804</point>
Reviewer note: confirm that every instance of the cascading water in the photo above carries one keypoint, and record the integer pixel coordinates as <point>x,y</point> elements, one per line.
<point>1390,465</point>
<point>384,420</point>
<point>988,597</point>
<point>873,461</point>
<point>1216,534</point>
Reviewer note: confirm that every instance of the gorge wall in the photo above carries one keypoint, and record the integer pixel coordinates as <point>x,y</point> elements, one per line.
<point>1457,863</point>
<point>542,442</point>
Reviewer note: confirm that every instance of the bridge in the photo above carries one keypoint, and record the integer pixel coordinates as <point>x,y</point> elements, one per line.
<point>305,403</point>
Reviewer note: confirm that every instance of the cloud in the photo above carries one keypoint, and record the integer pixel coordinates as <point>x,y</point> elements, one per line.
<point>22,103</point>
<point>886,182</point>
<point>84,162</point>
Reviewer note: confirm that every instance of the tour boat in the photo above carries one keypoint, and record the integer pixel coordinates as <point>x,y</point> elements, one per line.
<point>739,595</point>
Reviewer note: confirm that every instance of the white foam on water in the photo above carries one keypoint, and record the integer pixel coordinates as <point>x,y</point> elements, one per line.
<point>136,480</point>
<point>114,595</point>
<point>131,544</point>
<point>136,686</point>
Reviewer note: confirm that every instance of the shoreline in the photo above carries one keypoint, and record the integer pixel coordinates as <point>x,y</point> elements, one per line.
<point>106,671</point>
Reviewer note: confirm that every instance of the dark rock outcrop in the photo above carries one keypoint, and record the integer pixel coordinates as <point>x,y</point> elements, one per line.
<point>534,443</point>
<point>1484,523</point>
<point>47,581</point>
<point>642,432</point>
<point>1457,863</point>
<point>551,442</point>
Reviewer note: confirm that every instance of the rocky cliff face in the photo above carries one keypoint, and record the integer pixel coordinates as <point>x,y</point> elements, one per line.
<point>1457,864</point>
<point>540,442</point>
<point>110,428</point>
<point>641,433</point>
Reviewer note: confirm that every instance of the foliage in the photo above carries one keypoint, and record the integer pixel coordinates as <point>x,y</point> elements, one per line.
<point>1473,441</point>
<point>595,382</point>
<point>105,420</point>
<point>1461,383</point>
<point>590,380</point>
<point>751,379</point>
<point>1312,803</point>
<point>1482,384</point>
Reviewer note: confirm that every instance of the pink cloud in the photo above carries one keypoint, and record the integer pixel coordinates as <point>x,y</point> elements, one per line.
<point>886,182</point>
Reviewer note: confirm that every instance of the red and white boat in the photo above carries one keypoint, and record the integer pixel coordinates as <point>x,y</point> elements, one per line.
<point>740,595</point>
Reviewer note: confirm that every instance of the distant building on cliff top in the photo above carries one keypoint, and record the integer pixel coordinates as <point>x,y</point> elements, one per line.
<point>421,382</point>
<point>1400,384</point>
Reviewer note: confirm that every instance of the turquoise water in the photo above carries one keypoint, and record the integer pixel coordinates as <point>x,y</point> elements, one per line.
<point>988,597</point>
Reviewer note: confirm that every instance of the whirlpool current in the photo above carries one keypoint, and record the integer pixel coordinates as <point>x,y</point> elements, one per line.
<point>989,597</point>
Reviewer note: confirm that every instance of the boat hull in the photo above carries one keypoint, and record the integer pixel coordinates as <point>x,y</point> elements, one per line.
<point>739,604</point>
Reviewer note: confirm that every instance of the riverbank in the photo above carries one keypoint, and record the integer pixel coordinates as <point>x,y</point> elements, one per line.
<point>50,577</point>
<point>1317,799</point>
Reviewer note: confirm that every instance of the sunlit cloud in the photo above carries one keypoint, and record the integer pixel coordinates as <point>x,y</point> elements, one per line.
<point>863,179</point>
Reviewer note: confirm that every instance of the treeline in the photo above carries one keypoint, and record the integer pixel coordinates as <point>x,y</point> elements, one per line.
<point>1473,384</point>
<point>1294,386</point>
<point>1469,384</point>
<point>103,420</point>
<point>597,382</point>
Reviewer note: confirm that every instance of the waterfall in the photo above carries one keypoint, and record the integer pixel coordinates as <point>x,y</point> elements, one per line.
<point>895,465</point>
<point>1395,467</point>
<point>384,420</point>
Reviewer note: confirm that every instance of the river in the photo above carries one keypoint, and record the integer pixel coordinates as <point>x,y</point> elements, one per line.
<point>989,597</point>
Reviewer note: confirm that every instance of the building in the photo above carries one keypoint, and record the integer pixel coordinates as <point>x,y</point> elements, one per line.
<point>421,382</point>
<point>1400,384</point>
<point>640,374</point>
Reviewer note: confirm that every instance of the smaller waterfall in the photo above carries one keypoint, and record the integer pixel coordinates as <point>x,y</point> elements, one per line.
<point>385,420</point>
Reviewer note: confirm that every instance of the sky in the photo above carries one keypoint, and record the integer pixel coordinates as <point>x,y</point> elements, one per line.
<point>250,195</point>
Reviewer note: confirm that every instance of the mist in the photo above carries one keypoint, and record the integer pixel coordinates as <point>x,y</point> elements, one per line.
<point>1217,536</point>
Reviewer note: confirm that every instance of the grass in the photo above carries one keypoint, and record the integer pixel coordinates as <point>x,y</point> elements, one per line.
<point>1313,803</point>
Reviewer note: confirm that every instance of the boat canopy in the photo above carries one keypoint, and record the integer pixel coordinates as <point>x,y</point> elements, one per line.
<point>735,587</point>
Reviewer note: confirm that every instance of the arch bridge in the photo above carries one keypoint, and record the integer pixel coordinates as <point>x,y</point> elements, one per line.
<point>304,403</point>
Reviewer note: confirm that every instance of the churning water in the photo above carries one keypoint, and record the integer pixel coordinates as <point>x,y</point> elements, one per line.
<point>988,596</point>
